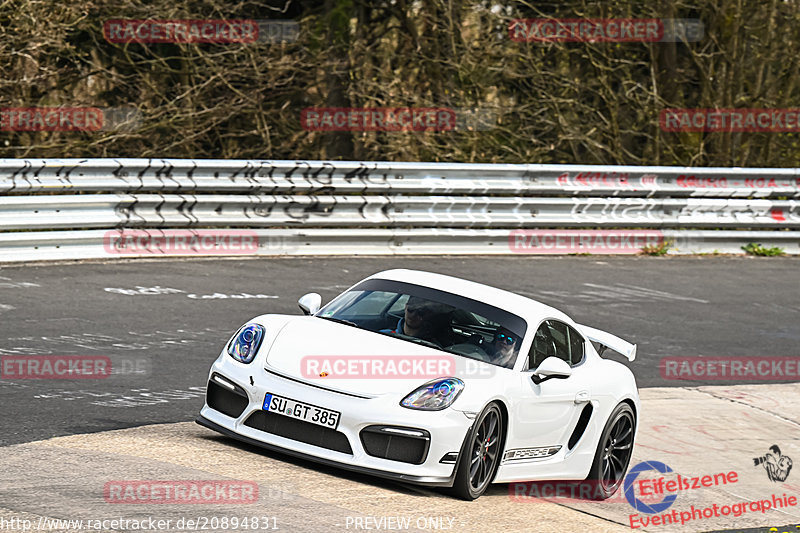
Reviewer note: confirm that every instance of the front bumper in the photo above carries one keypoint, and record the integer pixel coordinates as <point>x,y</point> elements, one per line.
<point>447,428</point>
<point>431,481</point>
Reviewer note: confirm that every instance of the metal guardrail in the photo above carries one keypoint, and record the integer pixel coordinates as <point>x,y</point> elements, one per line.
<point>99,244</point>
<point>31,176</point>
<point>71,209</point>
<point>212,210</point>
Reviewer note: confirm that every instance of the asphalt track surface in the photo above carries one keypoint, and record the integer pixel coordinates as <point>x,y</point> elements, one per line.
<point>163,322</point>
<point>696,432</point>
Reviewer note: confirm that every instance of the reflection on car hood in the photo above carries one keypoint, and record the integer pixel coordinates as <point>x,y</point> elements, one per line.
<point>360,362</point>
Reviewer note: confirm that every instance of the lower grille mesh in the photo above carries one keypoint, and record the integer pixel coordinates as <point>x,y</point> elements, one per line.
<point>283,426</point>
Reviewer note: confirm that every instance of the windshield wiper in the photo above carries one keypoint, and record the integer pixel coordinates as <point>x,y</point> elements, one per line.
<point>340,321</point>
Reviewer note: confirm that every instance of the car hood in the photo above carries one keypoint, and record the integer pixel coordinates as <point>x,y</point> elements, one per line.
<point>358,361</point>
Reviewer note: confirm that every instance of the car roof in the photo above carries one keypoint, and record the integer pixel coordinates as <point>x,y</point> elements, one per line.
<point>531,310</point>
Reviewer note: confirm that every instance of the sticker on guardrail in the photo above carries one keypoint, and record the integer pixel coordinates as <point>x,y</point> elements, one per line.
<point>609,180</point>
<point>583,241</point>
<point>701,182</point>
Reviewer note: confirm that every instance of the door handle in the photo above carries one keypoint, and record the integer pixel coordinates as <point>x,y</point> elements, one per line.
<point>582,397</point>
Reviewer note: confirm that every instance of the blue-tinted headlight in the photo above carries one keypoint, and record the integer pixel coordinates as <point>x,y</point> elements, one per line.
<point>434,395</point>
<point>244,345</point>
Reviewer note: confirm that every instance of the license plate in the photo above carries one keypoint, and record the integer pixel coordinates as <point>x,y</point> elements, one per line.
<point>301,411</point>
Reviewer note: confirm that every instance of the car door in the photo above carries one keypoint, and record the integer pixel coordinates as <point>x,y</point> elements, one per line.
<point>546,414</point>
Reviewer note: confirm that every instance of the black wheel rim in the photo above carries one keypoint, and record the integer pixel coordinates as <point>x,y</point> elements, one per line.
<point>485,450</point>
<point>617,451</point>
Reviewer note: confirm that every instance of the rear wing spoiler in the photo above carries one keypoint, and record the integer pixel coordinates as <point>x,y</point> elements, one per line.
<point>610,341</point>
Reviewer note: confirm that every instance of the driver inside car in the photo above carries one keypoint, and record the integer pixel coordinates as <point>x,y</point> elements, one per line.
<point>425,319</point>
<point>504,346</point>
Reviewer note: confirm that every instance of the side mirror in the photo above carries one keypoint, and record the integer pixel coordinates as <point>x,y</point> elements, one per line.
<point>550,368</point>
<point>310,303</point>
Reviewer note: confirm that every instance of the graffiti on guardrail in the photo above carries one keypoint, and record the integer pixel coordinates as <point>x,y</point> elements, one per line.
<point>447,211</point>
<point>176,205</point>
<point>326,178</point>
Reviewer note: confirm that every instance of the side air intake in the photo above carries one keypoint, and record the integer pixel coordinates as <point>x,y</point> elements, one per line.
<point>580,427</point>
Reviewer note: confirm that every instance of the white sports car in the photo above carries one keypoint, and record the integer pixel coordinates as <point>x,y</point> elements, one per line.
<point>429,379</point>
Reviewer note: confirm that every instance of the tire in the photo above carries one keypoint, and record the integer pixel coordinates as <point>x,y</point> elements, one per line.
<point>480,454</point>
<point>613,454</point>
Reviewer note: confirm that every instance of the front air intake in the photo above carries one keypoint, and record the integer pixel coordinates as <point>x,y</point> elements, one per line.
<point>406,445</point>
<point>230,400</point>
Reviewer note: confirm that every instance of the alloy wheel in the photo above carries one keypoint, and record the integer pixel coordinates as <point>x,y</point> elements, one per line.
<point>617,451</point>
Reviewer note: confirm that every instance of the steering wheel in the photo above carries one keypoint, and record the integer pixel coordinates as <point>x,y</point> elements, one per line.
<point>470,350</point>
<point>544,347</point>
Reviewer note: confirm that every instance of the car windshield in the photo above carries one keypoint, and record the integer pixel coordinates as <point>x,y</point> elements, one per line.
<point>431,317</point>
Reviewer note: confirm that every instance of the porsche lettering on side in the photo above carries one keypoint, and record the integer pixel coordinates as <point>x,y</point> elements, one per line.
<point>515,389</point>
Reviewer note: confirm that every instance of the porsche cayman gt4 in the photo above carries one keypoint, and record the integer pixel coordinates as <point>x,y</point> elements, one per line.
<point>430,379</point>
